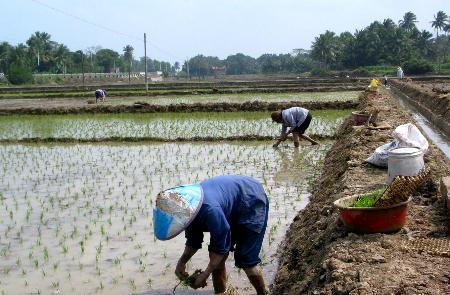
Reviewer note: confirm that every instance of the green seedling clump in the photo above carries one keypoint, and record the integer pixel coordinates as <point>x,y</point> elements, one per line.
<point>189,280</point>
<point>368,200</point>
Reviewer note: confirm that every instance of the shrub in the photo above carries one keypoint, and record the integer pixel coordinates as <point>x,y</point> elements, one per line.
<point>19,74</point>
<point>361,72</point>
<point>417,67</point>
<point>318,72</point>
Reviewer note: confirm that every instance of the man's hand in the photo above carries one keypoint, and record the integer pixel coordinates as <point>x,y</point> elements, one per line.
<point>180,271</point>
<point>200,280</point>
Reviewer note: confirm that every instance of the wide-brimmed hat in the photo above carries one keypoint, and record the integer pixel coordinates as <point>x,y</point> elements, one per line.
<point>175,210</point>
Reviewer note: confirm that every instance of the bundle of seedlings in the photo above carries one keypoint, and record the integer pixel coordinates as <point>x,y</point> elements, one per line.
<point>397,192</point>
<point>187,281</point>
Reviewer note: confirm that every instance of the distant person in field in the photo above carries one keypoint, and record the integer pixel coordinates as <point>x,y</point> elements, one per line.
<point>298,120</point>
<point>400,73</point>
<point>100,94</point>
<point>385,80</point>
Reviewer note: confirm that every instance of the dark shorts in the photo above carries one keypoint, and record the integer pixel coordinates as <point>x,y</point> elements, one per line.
<point>302,128</point>
<point>247,244</point>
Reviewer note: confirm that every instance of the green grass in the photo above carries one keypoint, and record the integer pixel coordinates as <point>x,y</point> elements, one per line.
<point>381,70</point>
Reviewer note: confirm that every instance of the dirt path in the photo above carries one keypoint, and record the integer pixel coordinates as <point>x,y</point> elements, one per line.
<point>320,257</point>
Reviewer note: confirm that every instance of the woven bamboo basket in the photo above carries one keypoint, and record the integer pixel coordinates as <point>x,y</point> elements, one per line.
<point>401,188</point>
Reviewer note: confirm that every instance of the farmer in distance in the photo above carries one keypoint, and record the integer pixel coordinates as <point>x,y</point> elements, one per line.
<point>233,209</point>
<point>100,94</point>
<point>298,119</point>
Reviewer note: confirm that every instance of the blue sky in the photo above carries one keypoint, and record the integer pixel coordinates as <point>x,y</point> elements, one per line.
<point>177,29</point>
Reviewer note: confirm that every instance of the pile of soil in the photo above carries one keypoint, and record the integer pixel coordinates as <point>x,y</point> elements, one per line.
<point>319,256</point>
<point>142,107</point>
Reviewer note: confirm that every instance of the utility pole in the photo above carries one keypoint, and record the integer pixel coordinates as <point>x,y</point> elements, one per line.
<point>187,68</point>
<point>145,54</point>
<point>82,66</point>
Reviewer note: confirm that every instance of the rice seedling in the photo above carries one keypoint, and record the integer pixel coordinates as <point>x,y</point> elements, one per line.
<point>98,214</point>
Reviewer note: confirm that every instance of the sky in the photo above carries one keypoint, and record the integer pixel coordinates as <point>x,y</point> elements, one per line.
<point>180,29</point>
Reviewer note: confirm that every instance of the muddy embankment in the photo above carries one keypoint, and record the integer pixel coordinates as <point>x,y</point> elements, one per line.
<point>152,93</point>
<point>264,83</point>
<point>150,139</point>
<point>318,255</point>
<point>142,107</point>
<point>433,105</point>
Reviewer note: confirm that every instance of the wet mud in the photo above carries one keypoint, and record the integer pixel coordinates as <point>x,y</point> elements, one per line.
<point>319,256</point>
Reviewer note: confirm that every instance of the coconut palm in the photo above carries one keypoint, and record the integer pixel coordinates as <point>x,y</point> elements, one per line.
<point>408,21</point>
<point>128,55</point>
<point>440,20</point>
<point>40,45</point>
<point>447,28</point>
<point>325,47</point>
<point>61,57</point>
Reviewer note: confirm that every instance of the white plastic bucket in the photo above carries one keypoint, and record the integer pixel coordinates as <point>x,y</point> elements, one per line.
<point>407,161</point>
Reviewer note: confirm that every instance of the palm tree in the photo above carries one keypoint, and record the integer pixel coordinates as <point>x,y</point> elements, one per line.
<point>425,43</point>
<point>128,55</point>
<point>439,22</point>
<point>325,47</point>
<point>408,21</point>
<point>447,28</point>
<point>40,44</point>
<point>61,57</point>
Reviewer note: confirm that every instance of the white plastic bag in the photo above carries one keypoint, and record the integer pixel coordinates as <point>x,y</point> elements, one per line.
<point>408,135</point>
<point>380,155</point>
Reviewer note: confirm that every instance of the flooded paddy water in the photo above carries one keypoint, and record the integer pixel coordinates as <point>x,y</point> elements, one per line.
<point>17,102</point>
<point>77,218</point>
<point>158,125</point>
<point>237,98</point>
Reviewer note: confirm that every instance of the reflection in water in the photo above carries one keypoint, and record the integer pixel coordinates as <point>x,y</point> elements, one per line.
<point>289,166</point>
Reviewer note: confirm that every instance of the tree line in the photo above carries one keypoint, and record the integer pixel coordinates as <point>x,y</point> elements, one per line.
<point>40,54</point>
<point>383,43</point>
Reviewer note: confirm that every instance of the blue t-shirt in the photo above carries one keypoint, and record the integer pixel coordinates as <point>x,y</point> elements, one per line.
<point>228,201</point>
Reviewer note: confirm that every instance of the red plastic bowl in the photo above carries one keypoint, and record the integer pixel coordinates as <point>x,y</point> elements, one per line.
<point>372,220</point>
<point>360,118</point>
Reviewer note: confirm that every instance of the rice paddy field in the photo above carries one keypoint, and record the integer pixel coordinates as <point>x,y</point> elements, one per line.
<point>241,97</point>
<point>77,217</point>
<point>158,125</point>
<point>18,102</point>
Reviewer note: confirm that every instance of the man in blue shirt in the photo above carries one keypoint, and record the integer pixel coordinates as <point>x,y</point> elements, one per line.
<point>298,119</point>
<point>234,211</point>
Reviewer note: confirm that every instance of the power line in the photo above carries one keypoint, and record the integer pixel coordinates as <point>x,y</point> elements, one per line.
<point>102,27</point>
<point>85,20</point>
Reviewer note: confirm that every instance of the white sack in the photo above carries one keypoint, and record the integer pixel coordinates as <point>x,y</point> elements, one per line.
<point>408,135</point>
